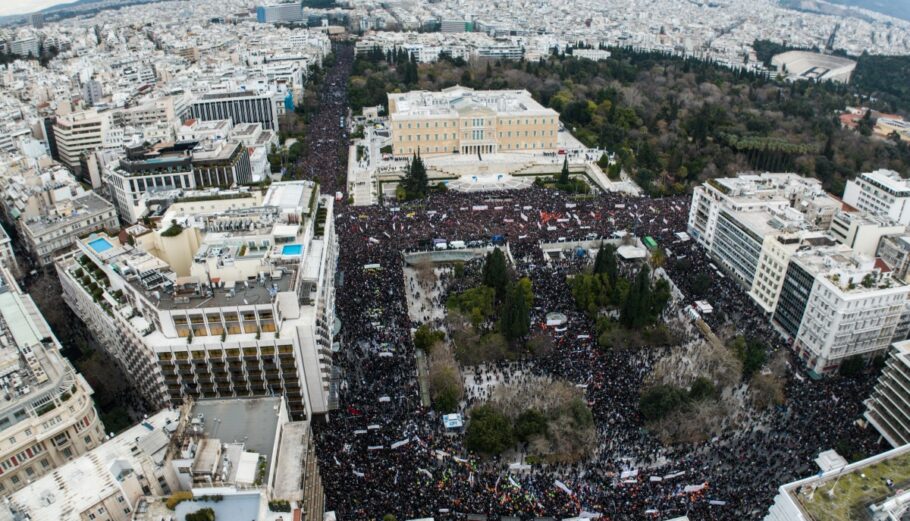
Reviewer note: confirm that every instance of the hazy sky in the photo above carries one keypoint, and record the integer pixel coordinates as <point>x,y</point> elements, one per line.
<point>8,7</point>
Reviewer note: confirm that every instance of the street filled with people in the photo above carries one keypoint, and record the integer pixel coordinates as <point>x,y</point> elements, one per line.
<point>384,452</point>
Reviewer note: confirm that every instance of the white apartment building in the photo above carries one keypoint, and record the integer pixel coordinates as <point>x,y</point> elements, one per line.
<point>232,303</point>
<point>82,132</point>
<point>228,454</point>
<point>807,263</point>
<point>105,484</point>
<point>881,192</point>
<point>837,304</point>
<point>27,46</point>
<point>49,234</point>
<point>757,192</point>
<point>888,408</point>
<point>47,415</point>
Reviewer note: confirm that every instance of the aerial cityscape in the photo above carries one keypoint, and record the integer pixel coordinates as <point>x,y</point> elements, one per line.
<point>440,260</point>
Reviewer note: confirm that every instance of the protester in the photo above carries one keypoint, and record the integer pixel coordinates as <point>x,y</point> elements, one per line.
<point>382,452</point>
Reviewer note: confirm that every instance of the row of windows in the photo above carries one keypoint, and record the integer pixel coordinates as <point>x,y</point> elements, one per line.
<point>480,122</point>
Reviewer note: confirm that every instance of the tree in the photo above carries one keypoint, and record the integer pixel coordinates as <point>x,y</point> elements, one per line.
<point>415,182</point>
<point>424,337</point>
<point>750,352</point>
<point>488,431</point>
<point>515,320</point>
<point>702,388</point>
<point>636,310</point>
<point>660,400</point>
<point>530,423</point>
<point>563,179</point>
<point>496,273</point>
<point>605,262</point>
<point>204,514</point>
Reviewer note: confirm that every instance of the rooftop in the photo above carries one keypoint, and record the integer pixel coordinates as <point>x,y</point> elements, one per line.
<point>847,492</point>
<point>79,208</point>
<point>66,492</point>
<point>254,422</point>
<point>457,99</point>
<point>31,366</point>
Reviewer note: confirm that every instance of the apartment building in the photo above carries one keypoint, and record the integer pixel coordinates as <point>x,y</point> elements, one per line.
<point>47,415</point>
<point>894,250</point>
<point>836,304</point>
<point>888,408</point>
<point>230,455</point>
<point>460,120</point>
<point>881,192</point>
<point>47,235</point>
<point>231,303</point>
<point>755,193</point>
<point>81,132</point>
<point>239,107</point>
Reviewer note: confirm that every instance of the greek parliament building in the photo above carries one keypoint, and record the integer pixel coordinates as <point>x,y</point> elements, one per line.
<point>225,299</point>
<point>47,416</point>
<point>808,260</point>
<point>459,120</point>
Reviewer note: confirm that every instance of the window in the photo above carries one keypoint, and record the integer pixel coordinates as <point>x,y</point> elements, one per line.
<point>15,480</point>
<point>91,516</point>
<point>12,440</point>
<point>30,471</point>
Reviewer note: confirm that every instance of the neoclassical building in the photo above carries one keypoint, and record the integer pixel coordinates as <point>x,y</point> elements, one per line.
<point>460,120</point>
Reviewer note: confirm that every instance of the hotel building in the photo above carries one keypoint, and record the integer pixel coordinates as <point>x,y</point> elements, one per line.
<point>227,303</point>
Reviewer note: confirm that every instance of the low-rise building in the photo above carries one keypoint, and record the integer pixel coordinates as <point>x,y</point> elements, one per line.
<point>47,235</point>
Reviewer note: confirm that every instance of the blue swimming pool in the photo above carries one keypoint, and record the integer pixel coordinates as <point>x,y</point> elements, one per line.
<point>100,245</point>
<point>292,249</point>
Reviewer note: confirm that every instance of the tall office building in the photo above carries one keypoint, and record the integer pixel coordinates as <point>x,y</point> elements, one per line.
<point>807,263</point>
<point>47,416</point>
<point>460,120</point>
<point>239,107</point>
<point>230,302</point>
<point>278,13</point>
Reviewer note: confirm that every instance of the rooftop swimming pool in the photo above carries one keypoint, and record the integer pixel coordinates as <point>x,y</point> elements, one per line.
<point>100,245</point>
<point>291,250</point>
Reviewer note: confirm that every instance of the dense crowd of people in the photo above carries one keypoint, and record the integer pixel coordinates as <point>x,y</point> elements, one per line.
<point>383,452</point>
